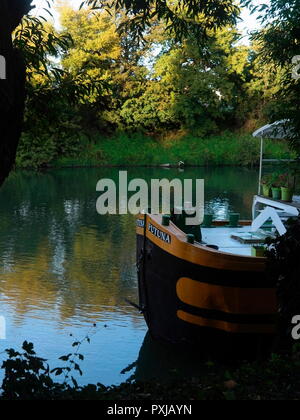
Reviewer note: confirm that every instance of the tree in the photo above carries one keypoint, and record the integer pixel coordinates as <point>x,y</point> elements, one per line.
<point>279,42</point>
<point>192,88</point>
<point>103,57</point>
<point>12,90</point>
<point>182,17</point>
<point>263,86</point>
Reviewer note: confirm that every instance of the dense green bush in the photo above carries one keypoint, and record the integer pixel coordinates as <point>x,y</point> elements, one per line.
<point>138,149</point>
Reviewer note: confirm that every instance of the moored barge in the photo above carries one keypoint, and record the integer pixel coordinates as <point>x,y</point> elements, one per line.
<point>191,292</point>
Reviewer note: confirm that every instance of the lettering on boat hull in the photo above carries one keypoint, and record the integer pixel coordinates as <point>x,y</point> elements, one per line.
<point>165,237</point>
<point>140,223</point>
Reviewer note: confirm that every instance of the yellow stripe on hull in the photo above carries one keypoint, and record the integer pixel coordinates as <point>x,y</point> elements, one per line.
<point>233,300</point>
<point>225,326</point>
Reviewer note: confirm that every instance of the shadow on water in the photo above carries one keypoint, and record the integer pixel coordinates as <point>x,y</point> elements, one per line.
<point>167,362</point>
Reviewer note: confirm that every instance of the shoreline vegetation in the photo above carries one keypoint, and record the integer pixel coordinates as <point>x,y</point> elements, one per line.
<point>274,378</point>
<point>228,149</point>
<point>123,102</point>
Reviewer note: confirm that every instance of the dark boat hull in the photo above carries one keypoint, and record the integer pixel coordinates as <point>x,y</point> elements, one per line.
<point>196,295</point>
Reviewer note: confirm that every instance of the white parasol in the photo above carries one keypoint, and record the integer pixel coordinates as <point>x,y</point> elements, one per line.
<point>278,130</point>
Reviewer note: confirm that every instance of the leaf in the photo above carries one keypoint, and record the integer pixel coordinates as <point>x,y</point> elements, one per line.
<point>28,348</point>
<point>57,371</point>
<point>65,358</point>
<point>77,367</point>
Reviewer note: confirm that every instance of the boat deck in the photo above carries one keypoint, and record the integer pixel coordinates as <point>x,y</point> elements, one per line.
<point>222,237</point>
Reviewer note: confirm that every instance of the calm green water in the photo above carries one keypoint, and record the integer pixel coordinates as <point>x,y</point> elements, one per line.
<point>63,267</point>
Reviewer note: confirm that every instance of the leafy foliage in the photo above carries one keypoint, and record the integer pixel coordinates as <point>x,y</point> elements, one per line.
<point>279,42</point>
<point>182,17</point>
<point>276,378</point>
<point>183,87</point>
<point>138,149</point>
<point>93,78</point>
<point>29,377</point>
<point>50,126</point>
<point>284,268</point>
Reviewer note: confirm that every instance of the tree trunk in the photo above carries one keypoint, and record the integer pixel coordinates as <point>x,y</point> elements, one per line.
<point>12,87</point>
<point>11,111</point>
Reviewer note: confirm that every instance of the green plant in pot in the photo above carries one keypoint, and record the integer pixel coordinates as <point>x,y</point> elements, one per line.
<point>276,187</point>
<point>266,184</point>
<point>287,183</point>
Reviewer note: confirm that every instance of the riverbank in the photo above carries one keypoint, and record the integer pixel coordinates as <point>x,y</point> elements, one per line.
<point>138,150</point>
<point>277,378</point>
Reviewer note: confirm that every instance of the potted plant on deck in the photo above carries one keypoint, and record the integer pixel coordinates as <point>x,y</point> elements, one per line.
<point>266,184</point>
<point>287,183</point>
<point>276,187</point>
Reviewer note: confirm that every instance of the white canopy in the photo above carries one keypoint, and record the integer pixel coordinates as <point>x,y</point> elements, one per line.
<point>278,130</point>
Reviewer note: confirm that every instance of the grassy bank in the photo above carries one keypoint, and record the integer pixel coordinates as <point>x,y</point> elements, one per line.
<point>228,149</point>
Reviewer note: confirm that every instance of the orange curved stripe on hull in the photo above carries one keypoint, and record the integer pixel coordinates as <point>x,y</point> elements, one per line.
<point>226,299</point>
<point>225,326</point>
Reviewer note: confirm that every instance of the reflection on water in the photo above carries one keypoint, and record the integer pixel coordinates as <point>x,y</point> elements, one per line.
<point>165,362</point>
<point>64,267</point>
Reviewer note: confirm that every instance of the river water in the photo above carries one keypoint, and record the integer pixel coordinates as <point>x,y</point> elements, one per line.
<point>63,267</point>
